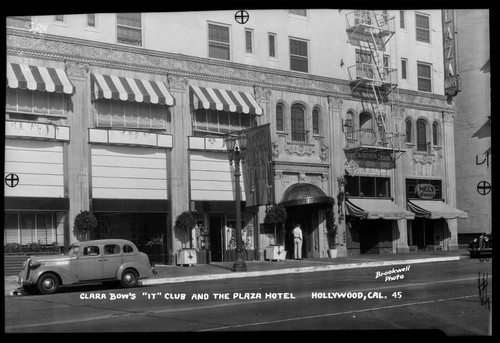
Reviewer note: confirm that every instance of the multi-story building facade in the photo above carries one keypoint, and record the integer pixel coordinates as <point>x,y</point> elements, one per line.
<point>473,123</point>
<point>126,114</point>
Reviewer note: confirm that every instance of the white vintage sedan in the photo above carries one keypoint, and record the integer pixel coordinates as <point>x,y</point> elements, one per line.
<point>105,260</point>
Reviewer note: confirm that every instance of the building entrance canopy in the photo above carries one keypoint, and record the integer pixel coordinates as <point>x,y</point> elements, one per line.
<point>224,100</point>
<point>305,194</point>
<point>433,209</point>
<point>377,209</point>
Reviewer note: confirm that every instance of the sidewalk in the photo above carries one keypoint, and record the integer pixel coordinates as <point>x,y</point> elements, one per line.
<point>222,270</point>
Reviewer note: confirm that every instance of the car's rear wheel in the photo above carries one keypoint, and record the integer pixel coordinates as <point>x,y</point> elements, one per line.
<point>48,283</point>
<point>129,278</point>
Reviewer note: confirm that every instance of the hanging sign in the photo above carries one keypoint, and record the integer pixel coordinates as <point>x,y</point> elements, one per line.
<point>452,84</point>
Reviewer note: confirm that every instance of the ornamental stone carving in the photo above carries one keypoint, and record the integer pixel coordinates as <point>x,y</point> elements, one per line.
<point>262,93</point>
<point>177,82</point>
<point>276,150</point>
<point>335,103</point>
<point>300,149</point>
<point>76,69</point>
<point>424,158</point>
<point>449,117</point>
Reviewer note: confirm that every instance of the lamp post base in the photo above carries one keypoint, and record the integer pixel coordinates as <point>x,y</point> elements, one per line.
<point>239,266</point>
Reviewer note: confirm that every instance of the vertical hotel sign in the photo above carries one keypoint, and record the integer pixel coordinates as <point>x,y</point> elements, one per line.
<point>258,168</point>
<point>451,80</point>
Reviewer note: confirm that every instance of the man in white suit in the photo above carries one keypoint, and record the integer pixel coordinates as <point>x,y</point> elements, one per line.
<point>297,242</point>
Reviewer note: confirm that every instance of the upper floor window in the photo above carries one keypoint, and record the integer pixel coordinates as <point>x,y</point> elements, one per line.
<point>299,60</point>
<point>272,45</point>
<point>422,144</point>
<point>24,101</point>
<point>349,125</point>
<point>404,68</point>
<point>130,114</point>
<point>220,122</point>
<point>402,23</point>
<point>129,28</point>
<point>299,12</point>
<point>435,133</point>
<point>248,41</point>
<point>424,77</point>
<point>315,120</point>
<point>422,26</point>
<point>279,118</point>
<point>218,41</point>
<point>299,134</point>
<point>408,128</point>
<point>91,20</point>
<point>23,22</point>
<point>368,186</point>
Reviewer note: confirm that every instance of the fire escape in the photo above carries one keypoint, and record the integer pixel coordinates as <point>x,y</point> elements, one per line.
<point>372,79</point>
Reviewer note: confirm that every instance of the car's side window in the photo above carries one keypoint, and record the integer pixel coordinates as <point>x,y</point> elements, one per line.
<point>111,249</point>
<point>92,250</point>
<point>127,249</point>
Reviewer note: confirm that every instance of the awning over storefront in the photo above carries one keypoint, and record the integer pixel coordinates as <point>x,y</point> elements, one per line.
<point>128,89</point>
<point>433,209</point>
<point>34,78</point>
<point>305,194</point>
<point>377,209</point>
<point>224,100</point>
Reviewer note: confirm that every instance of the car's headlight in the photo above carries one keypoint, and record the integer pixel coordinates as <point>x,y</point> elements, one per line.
<point>34,264</point>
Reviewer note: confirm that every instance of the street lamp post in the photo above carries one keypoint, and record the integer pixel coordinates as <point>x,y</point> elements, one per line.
<point>237,154</point>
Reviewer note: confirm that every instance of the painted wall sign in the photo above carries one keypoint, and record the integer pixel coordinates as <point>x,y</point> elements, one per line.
<point>425,191</point>
<point>452,83</point>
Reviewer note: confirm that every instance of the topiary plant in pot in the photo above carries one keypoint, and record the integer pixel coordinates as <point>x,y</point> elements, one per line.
<point>331,232</point>
<point>185,223</point>
<point>85,222</point>
<point>276,215</point>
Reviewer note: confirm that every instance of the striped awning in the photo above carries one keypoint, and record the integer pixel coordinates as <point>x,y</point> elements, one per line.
<point>129,89</point>
<point>435,209</point>
<point>224,100</point>
<point>30,77</point>
<point>376,209</point>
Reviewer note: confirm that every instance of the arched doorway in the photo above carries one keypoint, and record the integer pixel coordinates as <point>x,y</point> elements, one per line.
<point>306,204</point>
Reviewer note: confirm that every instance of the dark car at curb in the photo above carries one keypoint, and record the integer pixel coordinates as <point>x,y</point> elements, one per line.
<point>88,262</point>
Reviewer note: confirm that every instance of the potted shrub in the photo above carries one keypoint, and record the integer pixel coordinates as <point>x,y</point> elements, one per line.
<point>185,223</point>
<point>84,223</point>
<point>331,232</point>
<point>276,216</point>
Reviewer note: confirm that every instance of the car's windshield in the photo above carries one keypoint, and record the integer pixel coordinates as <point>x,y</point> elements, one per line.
<point>72,250</point>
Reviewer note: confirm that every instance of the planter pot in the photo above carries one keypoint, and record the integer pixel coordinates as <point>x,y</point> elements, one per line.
<point>332,253</point>
<point>186,257</point>
<point>275,253</point>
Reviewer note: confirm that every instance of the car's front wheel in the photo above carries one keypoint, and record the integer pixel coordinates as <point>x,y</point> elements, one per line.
<point>129,278</point>
<point>48,283</point>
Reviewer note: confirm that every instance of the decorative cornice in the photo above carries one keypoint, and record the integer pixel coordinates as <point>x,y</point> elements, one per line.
<point>424,158</point>
<point>95,53</point>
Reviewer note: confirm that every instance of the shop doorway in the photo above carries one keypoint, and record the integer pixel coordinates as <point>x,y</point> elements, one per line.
<point>216,239</point>
<point>427,232</point>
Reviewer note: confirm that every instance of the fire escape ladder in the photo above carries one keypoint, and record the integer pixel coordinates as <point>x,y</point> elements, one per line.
<point>373,46</point>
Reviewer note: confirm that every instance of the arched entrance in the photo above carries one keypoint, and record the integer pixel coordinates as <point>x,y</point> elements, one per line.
<point>306,204</point>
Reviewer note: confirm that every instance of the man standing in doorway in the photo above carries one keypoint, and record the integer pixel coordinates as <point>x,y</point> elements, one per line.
<point>297,242</point>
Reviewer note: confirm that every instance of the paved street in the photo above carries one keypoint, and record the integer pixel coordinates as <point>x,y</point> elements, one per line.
<point>442,295</point>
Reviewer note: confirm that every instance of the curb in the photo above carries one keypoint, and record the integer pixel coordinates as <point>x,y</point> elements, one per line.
<point>148,282</point>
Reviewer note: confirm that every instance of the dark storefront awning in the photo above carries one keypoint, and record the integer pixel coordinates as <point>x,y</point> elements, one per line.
<point>305,194</point>
<point>35,78</point>
<point>434,209</point>
<point>377,209</point>
<point>128,89</point>
<point>224,100</point>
